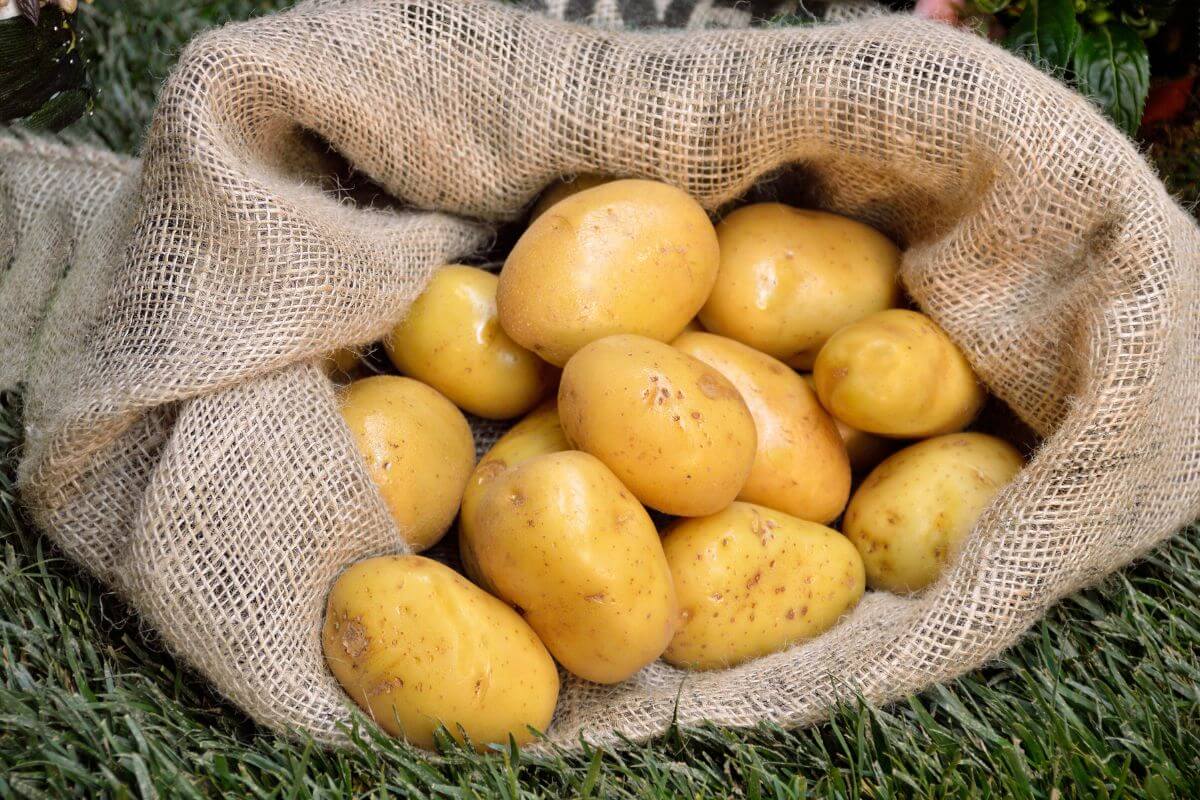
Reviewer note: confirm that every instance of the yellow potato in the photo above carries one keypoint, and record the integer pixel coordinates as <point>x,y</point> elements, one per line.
<point>801,467</point>
<point>789,278</point>
<point>628,256</point>
<point>864,449</point>
<point>539,433</point>
<point>560,538</point>
<point>561,190</point>
<point>672,429</point>
<point>418,448</point>
<point>416,645</point>
<point>911,514</point>
<point>452,340</point>
<point>896,373</point>
<point>340,365</point>
<point>752,581</point>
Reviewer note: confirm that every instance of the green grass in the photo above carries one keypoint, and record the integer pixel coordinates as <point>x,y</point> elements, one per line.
<point>1101,700</point>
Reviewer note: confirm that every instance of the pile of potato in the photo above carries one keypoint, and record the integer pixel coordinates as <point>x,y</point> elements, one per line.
<point>675,348</point>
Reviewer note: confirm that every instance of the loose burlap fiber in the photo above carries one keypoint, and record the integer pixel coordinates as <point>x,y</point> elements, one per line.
<point>164,314</point>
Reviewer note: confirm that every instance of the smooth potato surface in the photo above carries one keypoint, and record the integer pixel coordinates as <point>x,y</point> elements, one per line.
<point>628,256</point>
<point>537,434</point>
<point>452,340</point>
<point>752,581</point>
<point>418,448</point>
<point>896,373</point>
<point>800,466</point>
<point>865,450</point>
<point>417,645</point>
<point>911,514</point>
<point>672,429</point>
<point>790,277</point>
<point>559,537</point>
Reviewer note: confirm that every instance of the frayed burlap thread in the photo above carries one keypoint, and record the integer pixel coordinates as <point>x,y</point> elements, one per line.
<point>182,446</point>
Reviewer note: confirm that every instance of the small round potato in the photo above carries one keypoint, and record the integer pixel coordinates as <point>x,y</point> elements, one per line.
<point>790,277</point>
<point>417,646</point>
<point>801,467</point>
<point>911,514</point>
<point>418,448</point>
<point>752,581</point>
<point>340,365</point>
<point>628,256</point>
<point>561,190</point>
<point>452,340</point>
<point>539,433</point>
<point>560,538</point>
<point>896,373</point>
<point>672,429</point>
<point>865,450</point>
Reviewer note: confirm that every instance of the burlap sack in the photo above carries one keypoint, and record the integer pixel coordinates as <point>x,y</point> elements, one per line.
<point>164,315</point>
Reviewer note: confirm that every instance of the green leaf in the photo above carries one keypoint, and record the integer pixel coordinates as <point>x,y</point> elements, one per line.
<point>1047,33</point>
<point>1113,68</point>
<point>990,6</point>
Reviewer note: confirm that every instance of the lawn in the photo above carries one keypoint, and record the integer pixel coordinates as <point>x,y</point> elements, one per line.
<point>1102,699</point>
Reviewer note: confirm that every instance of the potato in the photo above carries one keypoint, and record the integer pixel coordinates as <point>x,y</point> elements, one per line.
<point>560,538</point>
<point>418,448</point>
<point>752,581</point>
<point>452,340</point>
<point>628,256</point>
<point>539,433</point>
<point>865,450</point>
<point>340,365</point>
<point>800,467</point>
<point>896,373</point>
<point>912,512</point>
<point>416,645</point>
<point>672,429</point>
<point>561,190</point>
<point>790,277</point>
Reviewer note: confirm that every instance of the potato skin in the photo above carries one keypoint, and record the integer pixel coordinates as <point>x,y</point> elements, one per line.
<point>628,256</point>
<point>790,277</point>
<point>560,537</point>
<point>418,448</point>
<point>911,514</point>
<point>896,373</point>
<point>801,466</point>
<point>865,450</point>
<point>672,429</point>
<point>415,644</point>
<point>537,434</point>
<point>752,581</point>
<point>451,339</point>
<point>562,189</point>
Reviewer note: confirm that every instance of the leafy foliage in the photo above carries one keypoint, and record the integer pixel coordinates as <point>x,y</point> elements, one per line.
<point>1113,68</point>
<point>1047,33</point>
<point>43,81</point>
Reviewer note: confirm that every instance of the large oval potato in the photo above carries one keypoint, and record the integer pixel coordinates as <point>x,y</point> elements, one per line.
<point>418,448</point>
<point>628,256</point>
<point>672,429</point>
<point>800,467</point>
<point>752,581</point>
<point>560,538</point>
<point>452,340</point>
<point>561,190</point>
<point>537,434</point>
<point>911,514</point>
<point>790,277</point>
<point>896,373</point>
<point>416,645</point>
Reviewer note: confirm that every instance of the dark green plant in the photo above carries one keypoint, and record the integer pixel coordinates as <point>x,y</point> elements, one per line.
<point>43,79</point>
<point>1099,46</point>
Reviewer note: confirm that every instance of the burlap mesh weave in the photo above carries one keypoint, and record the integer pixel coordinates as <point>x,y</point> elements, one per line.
<point>164,314</point>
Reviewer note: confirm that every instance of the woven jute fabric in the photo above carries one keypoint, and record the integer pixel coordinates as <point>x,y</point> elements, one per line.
<point>164,314</point>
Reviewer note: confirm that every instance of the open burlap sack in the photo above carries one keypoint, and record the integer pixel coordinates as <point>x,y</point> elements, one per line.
<point>164,315</point>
